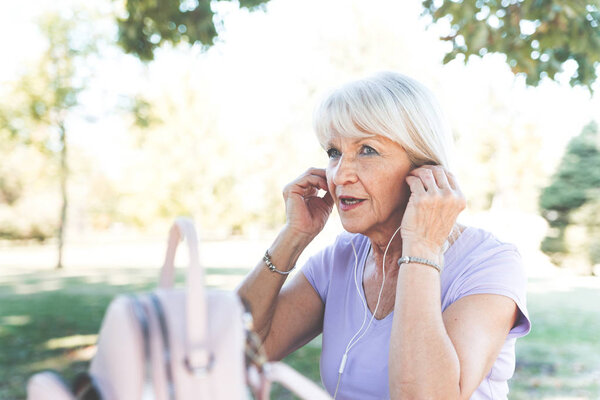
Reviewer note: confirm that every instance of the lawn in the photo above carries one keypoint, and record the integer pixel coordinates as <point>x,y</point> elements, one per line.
<point>50,320</point>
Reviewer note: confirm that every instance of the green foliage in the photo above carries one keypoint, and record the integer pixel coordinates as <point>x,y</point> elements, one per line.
<point>588,217</point>
<point>571,203</point>
<point>578,173</point>
<point>32,126</point>
<point>536,36</point>
<point>150,23</point>
<point>24,172</point>
<point>52,87</point>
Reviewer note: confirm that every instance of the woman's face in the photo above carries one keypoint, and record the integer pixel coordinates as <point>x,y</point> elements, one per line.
<point>365,177</point>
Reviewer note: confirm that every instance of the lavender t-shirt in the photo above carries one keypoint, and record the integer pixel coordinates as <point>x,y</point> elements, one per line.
<point>476,263</point>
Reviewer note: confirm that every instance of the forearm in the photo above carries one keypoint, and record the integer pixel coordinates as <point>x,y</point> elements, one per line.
<point>423,362</point>
<point>261,286</point>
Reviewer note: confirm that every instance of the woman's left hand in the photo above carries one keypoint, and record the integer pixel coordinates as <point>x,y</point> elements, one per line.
<point>434,204</point>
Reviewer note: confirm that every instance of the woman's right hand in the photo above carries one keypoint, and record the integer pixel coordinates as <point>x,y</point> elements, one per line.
<point>307,213</point>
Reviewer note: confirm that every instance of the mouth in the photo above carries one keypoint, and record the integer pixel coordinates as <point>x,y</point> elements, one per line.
<point>348,202</point>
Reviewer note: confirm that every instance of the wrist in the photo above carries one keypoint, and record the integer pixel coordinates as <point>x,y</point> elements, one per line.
<point>287,248</point>
<point>294,237</point>
<point>419,260</point>
<point>423,250</point>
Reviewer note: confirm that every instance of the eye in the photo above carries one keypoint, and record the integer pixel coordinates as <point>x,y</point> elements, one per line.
<point>333,153</point>
<point>368,150</point>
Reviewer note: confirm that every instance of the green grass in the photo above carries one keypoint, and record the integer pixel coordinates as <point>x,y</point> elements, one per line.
<point>559,359</point>
<point>37,307</point>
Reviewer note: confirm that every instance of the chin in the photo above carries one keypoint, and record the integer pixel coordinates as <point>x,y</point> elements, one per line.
<point>352,227</point>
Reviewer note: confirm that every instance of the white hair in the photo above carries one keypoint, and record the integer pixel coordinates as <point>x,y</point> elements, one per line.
<point>391,105</point>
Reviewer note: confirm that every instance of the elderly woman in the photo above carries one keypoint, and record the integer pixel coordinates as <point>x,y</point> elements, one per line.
<point>410,304</point>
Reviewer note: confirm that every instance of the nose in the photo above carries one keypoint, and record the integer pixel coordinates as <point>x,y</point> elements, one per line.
<point>344,172</point>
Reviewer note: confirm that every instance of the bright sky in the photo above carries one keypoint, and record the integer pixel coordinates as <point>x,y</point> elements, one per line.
<point>265,58</point>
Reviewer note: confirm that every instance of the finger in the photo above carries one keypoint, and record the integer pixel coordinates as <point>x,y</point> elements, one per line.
<point>322,174</point>
<point>316,171</point>
<point>312,181</point>
<point>415,184</point>
<point>426,176</point>
<point>328,199</point>
<point>324,203</point>
<point>439,174</point>
<point>319,172</point>
<point>452,181</point>
<point>310,191</point>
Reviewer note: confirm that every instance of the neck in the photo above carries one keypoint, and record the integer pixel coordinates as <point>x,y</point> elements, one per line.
<point>379,244</point>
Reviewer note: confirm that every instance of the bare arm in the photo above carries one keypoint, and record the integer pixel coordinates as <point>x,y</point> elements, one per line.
<point>261,288</point>
<point>298,318</point>
<point>435,355</point>
<point>285,318</point>
<point>477,326</point>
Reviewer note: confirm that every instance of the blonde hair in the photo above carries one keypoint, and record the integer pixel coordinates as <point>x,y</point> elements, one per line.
<point>391,105</point>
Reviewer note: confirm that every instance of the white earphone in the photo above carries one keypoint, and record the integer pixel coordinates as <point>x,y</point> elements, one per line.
<point>352,341</point>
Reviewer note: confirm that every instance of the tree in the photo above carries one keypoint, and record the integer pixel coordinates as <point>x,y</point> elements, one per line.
<point>148,24</point>
<point>537,36</point>
<point>44,97</point>
<point>571,203</point>
<point>211,174</point>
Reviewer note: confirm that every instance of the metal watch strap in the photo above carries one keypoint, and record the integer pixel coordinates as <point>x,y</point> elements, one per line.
<point>418,260</point>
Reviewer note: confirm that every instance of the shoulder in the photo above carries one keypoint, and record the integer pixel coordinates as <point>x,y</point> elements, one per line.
<point>333,261</point>
<point>341,249</point>
<point>480,263</point>
<point>477,247</point>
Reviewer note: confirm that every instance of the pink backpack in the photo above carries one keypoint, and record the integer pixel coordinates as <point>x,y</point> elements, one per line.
<point>176,344</point>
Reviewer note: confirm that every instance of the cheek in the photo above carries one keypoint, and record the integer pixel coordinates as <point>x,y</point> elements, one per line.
<point>396,193</point>
<point>402,193</point>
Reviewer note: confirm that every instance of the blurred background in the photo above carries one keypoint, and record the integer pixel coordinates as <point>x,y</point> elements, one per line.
<point>118,115</point>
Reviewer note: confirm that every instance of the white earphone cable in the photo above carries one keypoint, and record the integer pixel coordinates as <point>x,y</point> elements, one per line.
<point>352,342</point>
<point>362,299</point>
<point>364,303</point>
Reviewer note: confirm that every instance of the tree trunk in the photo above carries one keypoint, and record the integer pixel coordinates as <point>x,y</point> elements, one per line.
<point>64,173</point>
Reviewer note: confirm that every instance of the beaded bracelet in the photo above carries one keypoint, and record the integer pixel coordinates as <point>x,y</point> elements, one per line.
<point>267,260</point>
<point>418,260</point>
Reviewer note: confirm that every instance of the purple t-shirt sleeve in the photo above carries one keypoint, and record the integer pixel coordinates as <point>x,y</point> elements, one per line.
<point>499,270</point>
<point>319,268</point>
<point>318,271</point>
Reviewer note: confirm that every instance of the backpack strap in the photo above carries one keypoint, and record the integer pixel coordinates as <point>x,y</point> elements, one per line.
<point>142,317</point>
<point>164,332</point>
<point>198,360</point>
<point>84,387</point>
